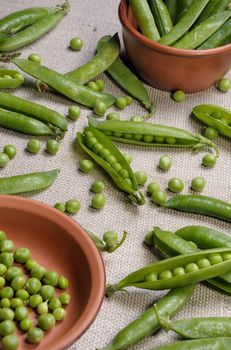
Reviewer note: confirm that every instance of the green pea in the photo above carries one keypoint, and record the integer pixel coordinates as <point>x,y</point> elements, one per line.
<point>2,282</point>
<point>19,76</point>
<point>153,187</point>
<point>47,292</point>
<point>21,255</point>
<point>97,186</point>
<point>97,148</point>
<point>60,206</point>
<point>151,278</point>
<point>113,116</point>
<point>35,335</point>
<point>211,133</point>
<point>72,206</point>
<point>74,112</point>
<point>159,197</point>
<point>121,102</point>
<point>98,201</point>
<point>7,259</point>
<point>137,137</point>
<point>3,269</point>
<point>35,300</point>
<point>100,108</point>
<point>16,302</point>
<point>164,275</point>
<point>159,139</point>
<point>224,85</point>
<point>59,314</point>
<point>117,167</point>
<point>192,267</point>
<point>123,173</point>
<point>10,342</point>
<point>6,314</point>
<point>171,140</point>
<point>100,84</point>
<point>129,100</point>
<point>33,285</point>
<point>7,327</point>
<point>42,308</point>
<point>93,86</point>
<point>65,298</point>
<point>198,183</point>
<point>10,150</point>
<point>141,177</point>
<point>5,302</point>
<point>104,153</point>
<point>148,138</point>
<point>21,313</point>
<point>18,282</point>
<point>46,321</point>
<point>128,181</point>
<point>175,185</point>
<point>33,146</point>
<point>89,134</point>
<point>22,294</point>
<point>118,134</point>
<point>136,118</point>
<point>35,58</point>
<point>178,96</point>
<point>7,246</point>
<point>51,278</point>
<point>86,166</point>
<point>6,292</point>
<point>226,256</point>
<point>108,133</point>
<point>31,264</point>
<point>13,272</point>
<point>7,76</point>
<point>209,160</point>
<point>54,303</point>
<point>128,136</point>
<point>110,160</point>
<point>76,44</point>
<point>91,141</point>
<point>25,324</point>
<point>110,238</point>
<point>52,146</point>
<point>2,235</point>
<point>178,271</point>
<point>128,158</point>
<point>165,163</point>
<point>38,272</point>
<point>203,263</point>
<point>215,258</point>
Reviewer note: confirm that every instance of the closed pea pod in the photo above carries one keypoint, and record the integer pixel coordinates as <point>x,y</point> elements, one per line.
<point>221,37</point>
<point>223,343</point>
<point>161,16</point>
<point>10,79</point>
<point>213,7</point>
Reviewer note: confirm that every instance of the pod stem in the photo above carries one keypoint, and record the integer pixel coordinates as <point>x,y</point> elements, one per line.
<point>111,289</point>
<point>137,197</point>
<point>161,321</point>
<point>65,6</point>
<point>113,249</point>
<point>203,142</point>
<point>151,108</point>
<point>6,58</point>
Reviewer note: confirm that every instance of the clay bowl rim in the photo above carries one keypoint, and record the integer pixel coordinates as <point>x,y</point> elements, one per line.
<point>123,9</point>
<point>93,257</point>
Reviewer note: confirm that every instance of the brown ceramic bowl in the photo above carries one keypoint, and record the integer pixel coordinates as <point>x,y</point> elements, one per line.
<point>168,68</point>
<point>58,242</point>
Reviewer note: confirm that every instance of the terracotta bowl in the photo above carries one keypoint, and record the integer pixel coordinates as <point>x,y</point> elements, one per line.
<point>168,68</point>
<point>58,242</point>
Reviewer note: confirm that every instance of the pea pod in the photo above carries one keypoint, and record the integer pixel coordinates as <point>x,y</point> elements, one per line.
<point>10,79</point>
<point>215,116</point>
<point>102,246</point>
<point>33,32</point>
<point>184,23</point>
<point>172,8</point>
<point>147,324</point>
<point>147,134</point>
<point>150,276</point>
<point>201,205</point>
<point>161,16</point>
<point>127,80</point>
<point>213,7</point>
<point>27,182</point>
<point>100,62</point>
<point>221,37</point>
<point>34,110</point>
<point>223,343</point>
<point>104,152</point>
<point>182,8</point>
<point>203,31</point>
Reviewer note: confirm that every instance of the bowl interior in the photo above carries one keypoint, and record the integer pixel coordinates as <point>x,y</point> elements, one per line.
<point>58,243</point>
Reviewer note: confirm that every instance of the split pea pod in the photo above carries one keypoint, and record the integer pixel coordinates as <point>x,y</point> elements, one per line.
<point>164,274</point>
<point>100,62</point>
<point>147,134</point>
<point>145,19</point>
<point>213,7</point>
<point>34,110</point>
<point>147,324</point>
<point>203,31</point>
<point>10,79</point>
<point>217,117</point>
<point>127,80</point>
<point>105,153</point>
<point>221,37</point>
<point>223,343</point>
<point>33,32</point>
<point>199,204</point>
<point>27,182</point>
<point>102,246</point>
<point>184,23</point>
<point>161,15</point>
<point>63,85</point>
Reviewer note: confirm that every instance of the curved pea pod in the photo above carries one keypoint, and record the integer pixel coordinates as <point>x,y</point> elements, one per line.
<point>10,79</point>
<point>147,324</point>
<point>127,80</point>
<point>213,7</point>
<point>27,182</point>
<point>102,246</point>
<point>199,204</point>
<point>63,85</point>
<point>161,15</point>
<point>100,62</point>
<point>151,135</point>
<point>215,116</point>
<point>140,278</point>
<point>223,343</point>
<point>128,186</point>
<point>221,37</point>
<point>34,110</point>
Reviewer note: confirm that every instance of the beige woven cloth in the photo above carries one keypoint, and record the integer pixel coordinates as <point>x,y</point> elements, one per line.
<point>91,19</point>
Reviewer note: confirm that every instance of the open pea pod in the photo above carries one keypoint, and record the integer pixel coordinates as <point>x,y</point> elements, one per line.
<point>105,153</point>
<point>215,116</point>
<point>151,135</point>
<point>162,274</point>
<point>10,79</point>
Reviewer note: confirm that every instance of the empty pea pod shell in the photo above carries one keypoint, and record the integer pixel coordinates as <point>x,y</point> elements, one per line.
<point>10,79</point>
<point>128,186</point>
<point>214,116</point>
<point>223,343</point>
<point>27,182</point>
<point>147,134</point>
<point>138,278</point>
